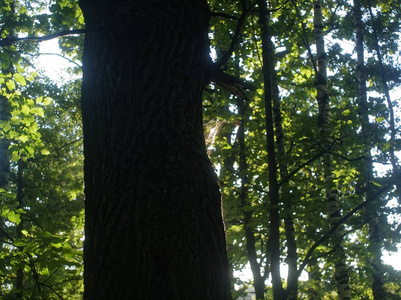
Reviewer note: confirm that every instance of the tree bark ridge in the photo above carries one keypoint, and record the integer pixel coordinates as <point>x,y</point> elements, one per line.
<point>153,212</point>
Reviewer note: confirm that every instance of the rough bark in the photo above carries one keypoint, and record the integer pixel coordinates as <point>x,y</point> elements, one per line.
<point>333,205</point>
<point>274,228</point>
<point>5,114</point>
<point>154,228</point>
<point>367,166</point>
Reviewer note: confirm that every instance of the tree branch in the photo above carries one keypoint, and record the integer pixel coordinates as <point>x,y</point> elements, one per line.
<point>234,85</point>
<point>11,40</point>
<point>293,172</point>
<point>223,15</point>
<point>307,259</point>
<point>241,20</point>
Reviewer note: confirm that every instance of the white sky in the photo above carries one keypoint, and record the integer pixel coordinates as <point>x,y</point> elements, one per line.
<point>53,66</point>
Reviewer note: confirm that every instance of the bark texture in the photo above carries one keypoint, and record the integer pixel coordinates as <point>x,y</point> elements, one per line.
<point>154,228</point>
<point>333,205</point>
<point>5,116</point>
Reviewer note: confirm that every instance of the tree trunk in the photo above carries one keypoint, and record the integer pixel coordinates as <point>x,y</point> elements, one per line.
<point>390,105</point>
<point>258,279</point>
<point>367,167</point>
<point>154,227</point>
<point>285,195</point>
<point>20,200</point>
<point>274,234</point>
<point>333,206</point>
<point>5,116</point>
<point>314,281</point>
<point>5,109</point>
<point>4,144</point>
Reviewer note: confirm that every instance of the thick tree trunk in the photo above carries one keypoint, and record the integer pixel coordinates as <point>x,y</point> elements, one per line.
<point>5,116</point>
<point>154,228</point>
<point>333,206</point>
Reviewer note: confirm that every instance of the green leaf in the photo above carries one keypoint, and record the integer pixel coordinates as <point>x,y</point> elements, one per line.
<point>44,152</point>
<point>13,217</point>
<point>45,272</point>
<point>15,156</point>
<point>57,245</point>
<point>19,244</point>
<point>23,138</point>
<point>30,247</point>
<point>10,85</point>
<point>25,109</point>
<point>20,79</point>
<point>47,101</point>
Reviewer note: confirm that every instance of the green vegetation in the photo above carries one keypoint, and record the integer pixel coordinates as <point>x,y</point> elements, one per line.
<point>307,162</point>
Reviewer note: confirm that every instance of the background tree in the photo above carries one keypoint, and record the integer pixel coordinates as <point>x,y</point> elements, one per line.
<point>43,136</point>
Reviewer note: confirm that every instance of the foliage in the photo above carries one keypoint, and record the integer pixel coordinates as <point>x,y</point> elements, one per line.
<point>291,28</point>
<point>42,207</point>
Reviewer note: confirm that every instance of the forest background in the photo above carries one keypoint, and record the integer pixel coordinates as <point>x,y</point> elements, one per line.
<point>322,196</point>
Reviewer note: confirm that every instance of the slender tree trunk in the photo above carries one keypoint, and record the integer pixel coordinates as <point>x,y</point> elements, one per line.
<point>154,227</point>
<point>314,277</point>
<point>374,231</point>
<point>274,238</point>
<point>285,196</point>
<point>4,171</point>
<point>333,206</point>
<point>20,200</point>
<point>258,280</point>
<point>4,144</point>
<point>390,106</point>
<point>367,167</point>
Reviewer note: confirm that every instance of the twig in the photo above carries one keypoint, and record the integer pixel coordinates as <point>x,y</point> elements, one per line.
<point>62,56</point>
